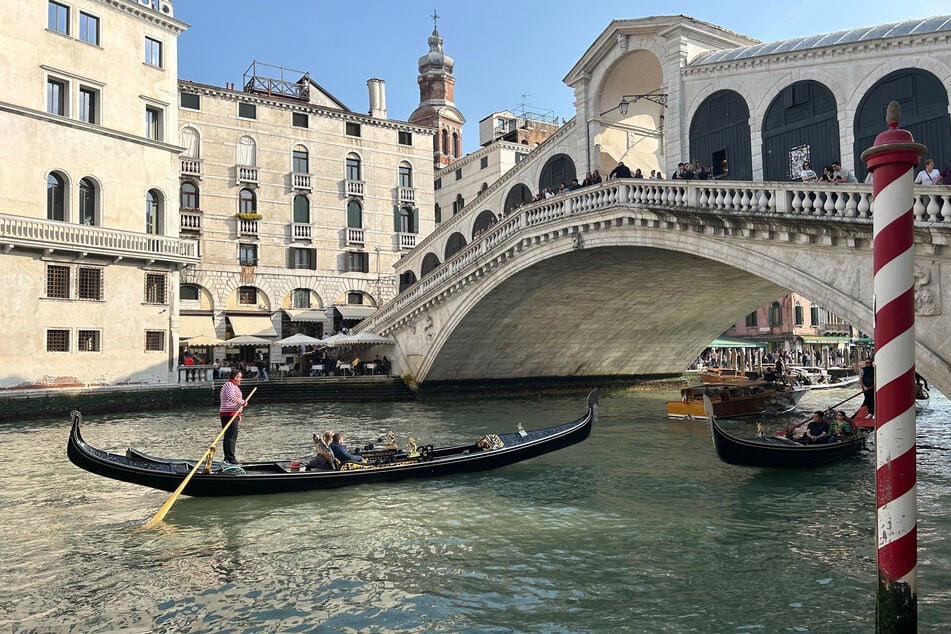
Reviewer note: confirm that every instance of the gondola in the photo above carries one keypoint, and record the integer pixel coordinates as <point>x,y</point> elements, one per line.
<point>491,451</point>
<point>780,452</point>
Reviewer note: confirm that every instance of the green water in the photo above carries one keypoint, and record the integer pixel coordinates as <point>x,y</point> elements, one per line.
<point>638,529</point>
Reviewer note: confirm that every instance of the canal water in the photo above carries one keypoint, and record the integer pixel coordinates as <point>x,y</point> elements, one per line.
<point>638,529</point>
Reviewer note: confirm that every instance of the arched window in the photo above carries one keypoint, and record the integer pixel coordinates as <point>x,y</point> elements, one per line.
<point>247,201</point>
<point>407,220</point>
<point>559,169</point>
<point>798,314</point>
<point>445,142</point>
<point>153,212</point>
<point>775,314</point>
<point>247,152</point>
<point>454,244</point>
<point>430,262</point>
<point>405,175</point>
<point>438,211</point>
<point>456,145</point>
<point>188,292</point>
<point>190,195</point>
<point>483,221</point>
<point>55,197</point>
<point>517,195</point>
<point>300,160</point>
<point>301,209</point>
<point>88,194</point>
<point>354,215</point>
<point>353,167</point>
<point>458,204</point>
<point>191,141</point>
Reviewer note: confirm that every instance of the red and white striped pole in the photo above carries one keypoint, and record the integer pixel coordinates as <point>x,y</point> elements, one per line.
<point>892,160</point>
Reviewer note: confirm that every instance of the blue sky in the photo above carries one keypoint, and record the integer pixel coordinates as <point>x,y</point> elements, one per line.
<point>502,49</point>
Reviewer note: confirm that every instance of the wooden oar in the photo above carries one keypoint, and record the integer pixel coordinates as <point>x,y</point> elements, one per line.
<point>164,509</point>
<point>789,430</point>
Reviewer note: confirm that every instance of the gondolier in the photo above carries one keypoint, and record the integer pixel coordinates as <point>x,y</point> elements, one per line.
<point>231,403</point>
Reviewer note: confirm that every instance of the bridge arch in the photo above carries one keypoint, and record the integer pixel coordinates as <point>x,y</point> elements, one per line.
<point>520,193</point>
<point>454,243</point>
<point>804,113</point>
<point>430,262</point>
<point>483,221</point>
<point>557,170</point>
<point>720,131</point>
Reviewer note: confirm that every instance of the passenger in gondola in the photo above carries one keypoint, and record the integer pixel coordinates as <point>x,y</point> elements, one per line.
<point>840,427</point>
<point>321,461</point>
<point>921,387</point>
<point>769,375</point>
<point>341,452</point>
<point>817,431</point>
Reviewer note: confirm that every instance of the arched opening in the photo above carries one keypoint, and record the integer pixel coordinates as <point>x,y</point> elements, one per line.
<point>354,214</point>
<point>407,279</point>
<point>353,167</point>
<point>247,152</point>
<point>559,169</point>
<point>720,136</point>
<point>520,194</point>
<point>301,209</point>
<point>191,141</point>
<point>406,220</point>
<point>405,175</point>
<point>483,221</point>
<point>56,197</point>
<point>454,244</point>
<point>775,314</point>
<point>247,201</point>
<point>445,141</point>
<point>300,160</point>
<point>88,202</point>
<point>190,196</point>
<point>153,212</point>
<point>800,125</point>
<point>430,262</point>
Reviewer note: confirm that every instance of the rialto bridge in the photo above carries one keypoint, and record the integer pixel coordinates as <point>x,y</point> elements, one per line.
<point>636,277</point>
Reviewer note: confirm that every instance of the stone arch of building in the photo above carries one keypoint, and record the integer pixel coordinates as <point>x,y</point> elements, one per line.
<point>454,243</point>
<point>802,114</point>
<point>483,221</point>
<point>719,135</point>
<point>518,194</point>
<point>232,283</point>
<point>558,169</point>
<point>429,264</point>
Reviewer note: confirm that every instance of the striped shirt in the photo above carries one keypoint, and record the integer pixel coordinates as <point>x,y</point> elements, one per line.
<point>231,398</point>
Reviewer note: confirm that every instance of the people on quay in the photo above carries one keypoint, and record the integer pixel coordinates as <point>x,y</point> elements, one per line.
<point>867,382</point>
<point>807,174</point>
<point>929,175</point>
<point>817,431</point>
<point>386,366</point>
<point>341,452</point>
<point>621,171</point>
<point>261,364</point>
<point>231,403</point>
<point>841,174</point>
<point>840,427</point>
<point>320,461</point>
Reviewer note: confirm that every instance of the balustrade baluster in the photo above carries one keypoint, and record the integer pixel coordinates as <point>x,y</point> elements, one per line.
<point>945,209</point>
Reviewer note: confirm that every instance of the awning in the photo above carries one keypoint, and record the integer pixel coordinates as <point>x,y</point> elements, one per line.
<point>820,340</point>
<point>305,314</point>
<point>196,326</point>
<point>350,311</point>
<point>727,342</point>
<point>256,326</point>
<point>861,340</point>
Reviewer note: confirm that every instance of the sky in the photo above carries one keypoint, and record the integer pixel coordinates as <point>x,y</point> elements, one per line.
<point>506,53</point>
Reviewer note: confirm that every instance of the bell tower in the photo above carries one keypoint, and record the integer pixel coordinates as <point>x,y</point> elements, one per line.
<point>436,107</point>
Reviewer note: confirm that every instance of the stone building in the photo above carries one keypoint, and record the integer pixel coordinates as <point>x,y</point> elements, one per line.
<point>91,254</point>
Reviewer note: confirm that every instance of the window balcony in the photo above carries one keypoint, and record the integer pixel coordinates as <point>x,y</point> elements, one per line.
<point>354,236</point>
<point>248,227</point>
<point>300,181</point>
<point>406,241</point>
<point>191,167</point>
<point>407,195</point>
<point>354,188</point>
<point>190,220</point>
<point>246,174</point>
<point>302,231</point>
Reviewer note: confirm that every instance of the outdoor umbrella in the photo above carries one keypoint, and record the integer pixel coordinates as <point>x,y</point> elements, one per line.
<point>333,340</point>
<point>299,340</point>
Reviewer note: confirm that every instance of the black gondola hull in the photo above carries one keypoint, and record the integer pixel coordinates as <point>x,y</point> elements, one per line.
<point>781,453</point>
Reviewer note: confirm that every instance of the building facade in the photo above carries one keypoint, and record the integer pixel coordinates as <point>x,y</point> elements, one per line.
<point>89,231</point>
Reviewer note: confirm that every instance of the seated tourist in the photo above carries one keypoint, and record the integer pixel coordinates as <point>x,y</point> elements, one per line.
<point>840,427</point>
<point>817,431</point>
<point>323,459</point>
<point>340,450</point>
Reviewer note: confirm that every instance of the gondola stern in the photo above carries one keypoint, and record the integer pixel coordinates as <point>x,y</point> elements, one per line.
<point>593,404</point>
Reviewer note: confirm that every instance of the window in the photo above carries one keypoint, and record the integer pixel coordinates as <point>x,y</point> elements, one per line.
<point>247,111</point>
<point>458,204</point>
<point>56,97</point>
<point>90,283</point>
<point>88,104</point>
<point>191,141</point>
<point>153,212</point>
<point>354,298</point>
<point>247,151</point>
<point>798,315</point>
<point>300,160</point>
<point>55,197</point>
<point>153,123</point>
<point>405,138</point>
<point>407,220</point>
<point>438,213</point>
<point>153,52</point>
<point>58,18</point>
<point>519,156</point>
<point>190,195</point>
<point>357,262</point>
<point>814,316</point>
<point>88,341</point>
<point>188,292</point>
<point>156,288</point>
<point>300,120</point>
<point>437,184</point>
<point>154,340</point>
<point>483,162</point>
<point>352,129</point>
<point>752,320</point>
<point>303,259</point>
<point>248,296</point>
<point>57,340</point>
<point>300,298</point>
<point>445,142</point>
<point>775,314</point>
<point>456,145</point>
<point>301,209</point>
<point>248,255</point>
<point>191,101</point>
<point>459,174</point>
<point>353,167</point>
<point>87,202</point>
<point>406,175</point>
<point>354,215</point>
<point>247,202</point>
<point>57,281</point>
<point>89,28</point>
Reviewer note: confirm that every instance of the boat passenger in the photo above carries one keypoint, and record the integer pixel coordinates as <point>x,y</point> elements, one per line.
<point>340,450</point>
<point>320,461</point>
<point>840,427</point>
<point>817,431</point>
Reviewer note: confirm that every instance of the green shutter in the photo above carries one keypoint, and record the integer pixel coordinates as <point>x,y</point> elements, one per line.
<point>396,218</point>
<point>415,219</point>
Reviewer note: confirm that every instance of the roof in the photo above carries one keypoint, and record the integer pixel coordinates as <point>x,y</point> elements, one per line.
<point>882,31</point>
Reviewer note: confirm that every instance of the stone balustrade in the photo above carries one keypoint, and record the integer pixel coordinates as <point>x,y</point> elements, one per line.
<point>300,181</point>
<point>354,188</point>
<point>302,231</point>
<point>406,241</point>
<point>246,174</point>
<point>196,373</point>
<point>190,220</point>
<point>354,236</point>
<point>247,227</point>
<point>407,195</point>
<point>191,167</point>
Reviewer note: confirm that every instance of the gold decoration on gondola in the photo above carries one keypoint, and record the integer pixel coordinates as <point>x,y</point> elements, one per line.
<point>411,451</point>
<point>490,441</point>
<point>390,440</point>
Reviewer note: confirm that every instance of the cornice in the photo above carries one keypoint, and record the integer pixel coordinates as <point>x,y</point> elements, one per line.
<point>483,151</point>
<point>152,17</point>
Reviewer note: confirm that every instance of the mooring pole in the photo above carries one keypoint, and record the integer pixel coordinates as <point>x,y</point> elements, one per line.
<point>892,160</point>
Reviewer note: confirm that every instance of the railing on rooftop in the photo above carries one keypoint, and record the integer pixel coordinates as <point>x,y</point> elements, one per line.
<point>266,79</point>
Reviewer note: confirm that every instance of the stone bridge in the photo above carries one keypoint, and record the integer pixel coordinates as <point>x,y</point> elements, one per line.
<point>638,276</point>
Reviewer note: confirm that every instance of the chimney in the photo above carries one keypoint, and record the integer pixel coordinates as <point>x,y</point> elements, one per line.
<point>377,89</point>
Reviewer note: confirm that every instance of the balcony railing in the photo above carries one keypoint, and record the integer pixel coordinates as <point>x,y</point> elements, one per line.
<point>20,231</point>
<point>406,241</point>
<point>190,220</point>
<point>302,231</point>
<point>301,181</point>
<point>354,236</point>
<point>407,195</point>
<point>354,188</point>
<point>247,227</point>
<point>191,167</point>
<point>246,174</point>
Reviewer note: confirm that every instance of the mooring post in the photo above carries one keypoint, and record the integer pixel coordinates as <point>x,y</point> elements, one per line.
<point>892,160</point>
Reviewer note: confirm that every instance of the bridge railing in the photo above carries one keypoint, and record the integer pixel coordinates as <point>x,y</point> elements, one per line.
<point>845,202</point>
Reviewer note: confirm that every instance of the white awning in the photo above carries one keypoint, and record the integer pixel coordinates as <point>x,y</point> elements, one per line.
<point>256,325</point>
<point>196,326</point>
<point>351,311</point>
<point>306,314</point>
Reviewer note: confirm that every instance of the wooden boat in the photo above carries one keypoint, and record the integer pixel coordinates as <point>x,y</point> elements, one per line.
<point>276,476</point>
<point>726,375</point>
<point>735,399</point>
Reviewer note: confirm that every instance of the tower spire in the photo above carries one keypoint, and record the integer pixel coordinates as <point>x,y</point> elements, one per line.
<point>435,17</point>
